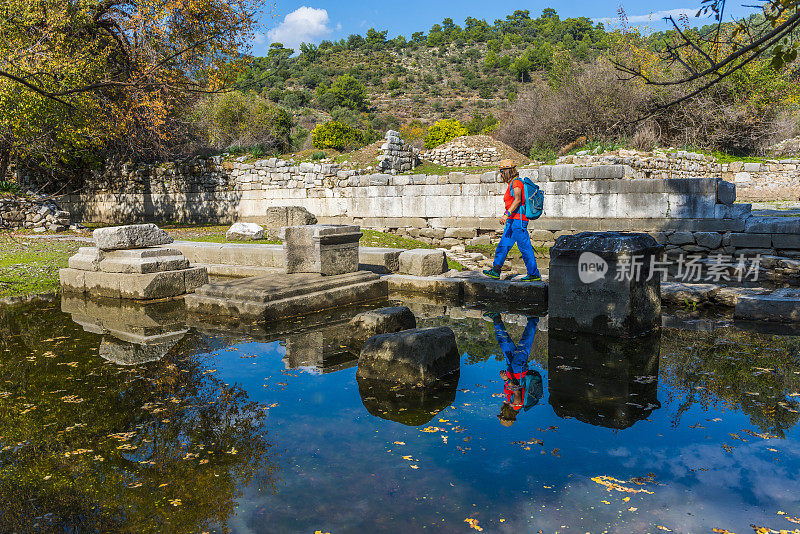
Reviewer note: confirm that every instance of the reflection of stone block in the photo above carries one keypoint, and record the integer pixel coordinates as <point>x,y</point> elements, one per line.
<point>131,236</point>
<point>603,381</point>
<point>412,358</point>
<point>601,283</point>
<point>407,406</point>
<point>325,249</point>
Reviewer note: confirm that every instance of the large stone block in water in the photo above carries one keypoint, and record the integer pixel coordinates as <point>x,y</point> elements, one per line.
<point>602,283</point>
<point>142,261</point>
<point>328,250</point>
<point>130,236</point>
<point>423,262</point>
<point>382,321</point>
<point>411,358</point>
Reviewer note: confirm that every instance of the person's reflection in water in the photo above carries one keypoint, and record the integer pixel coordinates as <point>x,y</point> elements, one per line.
<point>522,386</point>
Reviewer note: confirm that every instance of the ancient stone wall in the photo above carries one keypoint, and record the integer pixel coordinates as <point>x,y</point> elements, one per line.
<point>771,180</point>
<point>33,214</point>
<point>460,153</point>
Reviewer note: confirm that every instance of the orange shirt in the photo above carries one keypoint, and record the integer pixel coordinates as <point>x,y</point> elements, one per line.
<point>509,199</point>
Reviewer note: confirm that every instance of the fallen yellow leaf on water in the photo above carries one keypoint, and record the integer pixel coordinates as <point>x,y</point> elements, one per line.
<point>473,523</point>
<point>632,509</point>
<point>612,484</point>
<point>722,531</point>
<point>320,532</point>
<point>406,457</point>
<point>398,442</point>
<point>414,466</point>
<point>502,520</point>
<point>175,502</point>
<point>605,502</point>
<point>430,429</point>
<point>626,499</point>
<point>659,527</point>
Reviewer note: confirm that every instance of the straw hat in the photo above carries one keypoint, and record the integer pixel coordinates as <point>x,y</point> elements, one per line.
<point>507,164</point>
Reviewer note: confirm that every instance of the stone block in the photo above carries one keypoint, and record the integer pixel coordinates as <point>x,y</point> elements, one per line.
<point>72,280</point>
<point>781,306</point>
<point>418,357</point>
<point>610,172</point>
<point>423,262</point>
<point>131,236</point>
<point>194,278</point>
<point>87,259</point>
<point>447,289</point>
<point>382,321</point>
<point>242,231</point>
<point>562,173</point>
<point>786,241</point>
<point>710,240</point>
<point>747,240</point>
<point>461,233</point>
<point>726,193</point>
<point>324,249</point>
<point>681,238</point>
<point>773,225</point>
<point>101,284</point>
<point>151,286</point>
<point>379,260</point>
<point>691,206</point>
<point>144,265</point>
<point>585,293</point>
<point>692,186</point>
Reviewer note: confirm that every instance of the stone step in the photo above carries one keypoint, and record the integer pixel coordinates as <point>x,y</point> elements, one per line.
<point>280,286</point>
<point>296,305</point>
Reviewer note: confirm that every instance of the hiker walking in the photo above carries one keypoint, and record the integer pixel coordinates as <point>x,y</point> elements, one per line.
<point>516,225</point>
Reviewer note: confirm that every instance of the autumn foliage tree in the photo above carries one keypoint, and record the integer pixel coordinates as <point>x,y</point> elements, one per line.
<point>82,79</point>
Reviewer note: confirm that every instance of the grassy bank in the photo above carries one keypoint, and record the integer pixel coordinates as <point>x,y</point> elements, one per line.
<point>29,265</point>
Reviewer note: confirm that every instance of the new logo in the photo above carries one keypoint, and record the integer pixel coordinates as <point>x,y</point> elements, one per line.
<point>591,268</point>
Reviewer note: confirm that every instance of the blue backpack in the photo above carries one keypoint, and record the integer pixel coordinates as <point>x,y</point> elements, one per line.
<point>532,199</point>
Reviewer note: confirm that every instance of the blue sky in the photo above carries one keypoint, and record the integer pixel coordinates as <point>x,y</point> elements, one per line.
<point>313,21</point>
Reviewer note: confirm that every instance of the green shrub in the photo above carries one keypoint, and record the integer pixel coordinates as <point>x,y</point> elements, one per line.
<point>238,120</point>
<point>336,135</point>
<point>443,131</point>
<point>318,155</point>
<point>8,186</point>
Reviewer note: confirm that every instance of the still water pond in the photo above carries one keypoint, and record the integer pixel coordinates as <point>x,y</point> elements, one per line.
<point>228,428</point>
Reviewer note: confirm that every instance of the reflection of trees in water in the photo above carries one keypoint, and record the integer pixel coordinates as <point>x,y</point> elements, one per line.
<point>728,369</point>
<point>87,445</point>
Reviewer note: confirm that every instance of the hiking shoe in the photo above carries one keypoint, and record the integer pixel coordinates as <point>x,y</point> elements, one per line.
<point>531,278</point>
<point>494,316</point>
<point>491,273</point>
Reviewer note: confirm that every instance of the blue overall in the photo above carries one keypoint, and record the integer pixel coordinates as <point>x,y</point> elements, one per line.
<point>517,356</point>
<point>516,231</point>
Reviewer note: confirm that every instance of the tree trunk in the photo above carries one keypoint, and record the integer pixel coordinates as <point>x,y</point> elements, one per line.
<point>5,160</point>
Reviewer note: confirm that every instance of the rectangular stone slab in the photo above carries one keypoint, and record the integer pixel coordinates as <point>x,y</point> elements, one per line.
<point>325,249</point>
<point>271,298</point>
<point>133,286</point>
<point>144,265</point>
<point>130,237</point>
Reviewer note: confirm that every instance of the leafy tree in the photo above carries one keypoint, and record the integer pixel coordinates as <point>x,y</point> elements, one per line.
<point>347,92</point>
<point>336,135</point>
<point>443,131</point>
<point>238,120</point>
<point>79,77</point>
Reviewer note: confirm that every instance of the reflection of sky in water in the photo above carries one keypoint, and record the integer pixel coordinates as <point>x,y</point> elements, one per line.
<point>342,470</point>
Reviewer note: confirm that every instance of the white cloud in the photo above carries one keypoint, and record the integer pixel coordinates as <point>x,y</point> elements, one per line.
<point>657,16</point>
<point>259,38</point>
<point>303,25</point>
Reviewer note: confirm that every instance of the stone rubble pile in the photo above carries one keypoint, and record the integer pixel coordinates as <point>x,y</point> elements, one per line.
<point>396,154</point>
<point>36,215</point>
<point>129,262</point>
<point>459,153</point>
